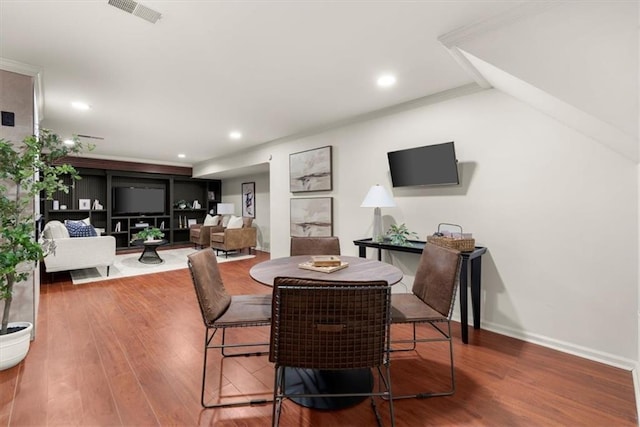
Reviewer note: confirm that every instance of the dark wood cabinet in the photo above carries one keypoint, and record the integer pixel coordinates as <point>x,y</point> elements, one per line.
<point>99,184</point>
<point>92,186</point>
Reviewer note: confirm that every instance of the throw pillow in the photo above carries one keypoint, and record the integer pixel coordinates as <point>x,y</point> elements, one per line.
<point>225,220</point>
<point>80,229</point>
<point>211,220</point>
<point>86,220</point>
<point>55,230</point>
<point>235,222</point>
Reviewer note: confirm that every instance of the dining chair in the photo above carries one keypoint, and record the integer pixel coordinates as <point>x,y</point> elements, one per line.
<point>221,311</point>
<point>431,302</point>
<point>322,325</point>
<point>315,246</point>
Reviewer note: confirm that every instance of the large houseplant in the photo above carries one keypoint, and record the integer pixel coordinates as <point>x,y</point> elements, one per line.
<point>27,170</point>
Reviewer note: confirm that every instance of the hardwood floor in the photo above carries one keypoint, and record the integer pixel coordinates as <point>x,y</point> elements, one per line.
<point>128,352</point>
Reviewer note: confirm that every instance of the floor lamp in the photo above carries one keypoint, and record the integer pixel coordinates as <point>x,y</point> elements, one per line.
<point>377,198</point>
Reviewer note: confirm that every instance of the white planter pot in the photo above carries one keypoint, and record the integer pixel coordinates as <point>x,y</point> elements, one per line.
<point>15,346</point>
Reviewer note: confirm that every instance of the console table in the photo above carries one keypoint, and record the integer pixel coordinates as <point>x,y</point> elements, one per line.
<point>474,268</point>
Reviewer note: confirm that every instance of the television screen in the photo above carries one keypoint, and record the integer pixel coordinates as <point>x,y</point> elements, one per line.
<point>428,165</point>
<point>138,200</point>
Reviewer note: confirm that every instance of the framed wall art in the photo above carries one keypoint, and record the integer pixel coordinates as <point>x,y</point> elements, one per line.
<point>311,217</point>
<point>310,170</point>
<point>249,199</point>
<point>84,204</point>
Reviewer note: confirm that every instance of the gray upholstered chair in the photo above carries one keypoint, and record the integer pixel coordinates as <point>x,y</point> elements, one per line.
<point>431,302</point>
<point>315,246</point>
<point>221,311</point>
<point>320,326</point>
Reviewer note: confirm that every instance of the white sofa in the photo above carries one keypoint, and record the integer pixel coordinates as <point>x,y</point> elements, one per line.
<point>73,253</point>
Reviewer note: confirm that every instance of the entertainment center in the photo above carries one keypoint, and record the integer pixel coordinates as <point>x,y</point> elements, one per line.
<point>134,196</point>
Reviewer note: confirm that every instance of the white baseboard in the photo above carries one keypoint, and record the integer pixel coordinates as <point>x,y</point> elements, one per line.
<point>636,389</point>
<point>576,350</point>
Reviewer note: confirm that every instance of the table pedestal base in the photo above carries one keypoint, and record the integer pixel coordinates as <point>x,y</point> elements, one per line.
<point>310,381</point>
<point>150,255</point>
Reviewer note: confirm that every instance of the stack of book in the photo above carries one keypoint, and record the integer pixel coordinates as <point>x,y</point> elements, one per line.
<point>324,264</point>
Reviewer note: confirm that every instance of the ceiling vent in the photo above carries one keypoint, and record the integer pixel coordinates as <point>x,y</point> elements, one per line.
<point>137,9</point>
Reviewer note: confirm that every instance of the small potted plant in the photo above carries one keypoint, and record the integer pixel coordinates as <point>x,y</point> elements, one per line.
<point>149,233</point>
<point>399,234</point>
<point>182,204</point>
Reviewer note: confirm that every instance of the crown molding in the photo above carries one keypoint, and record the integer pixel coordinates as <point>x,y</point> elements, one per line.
<point>587,124</point>
<point>466,65</point>
<point>470,31</point>
<point>19,67</point>
<point>453,39</point>
<point>28,70</point>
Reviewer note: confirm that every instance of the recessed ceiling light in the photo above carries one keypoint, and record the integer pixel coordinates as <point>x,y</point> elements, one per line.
<point>182,156</point>
<point>69,142</point>
<point>386,80</point>
<point>80,105</point>
<point>235,135</point>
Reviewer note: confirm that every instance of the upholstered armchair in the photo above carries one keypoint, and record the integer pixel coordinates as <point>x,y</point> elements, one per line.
<point>238,235</point>
<point>200,234</point>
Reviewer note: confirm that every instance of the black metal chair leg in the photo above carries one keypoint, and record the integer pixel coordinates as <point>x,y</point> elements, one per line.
<point>222,346</point>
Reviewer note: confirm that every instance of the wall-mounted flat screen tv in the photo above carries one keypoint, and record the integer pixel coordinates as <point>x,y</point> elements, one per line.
<point>428,165</point>
<point>138,200</point>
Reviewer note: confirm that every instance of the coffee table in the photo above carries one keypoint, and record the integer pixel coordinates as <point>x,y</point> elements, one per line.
<point>150,253</point>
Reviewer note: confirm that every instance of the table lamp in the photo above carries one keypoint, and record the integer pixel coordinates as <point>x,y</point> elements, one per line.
<point>377,198</point>
<point>225,209</point>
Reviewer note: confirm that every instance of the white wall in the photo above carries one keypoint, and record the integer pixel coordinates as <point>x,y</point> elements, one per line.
<point>557,211</point>
<point>637,367</point>
<point>232,193</point>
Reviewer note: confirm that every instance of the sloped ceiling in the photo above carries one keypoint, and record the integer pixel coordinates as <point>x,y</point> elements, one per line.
<point>576,61</point>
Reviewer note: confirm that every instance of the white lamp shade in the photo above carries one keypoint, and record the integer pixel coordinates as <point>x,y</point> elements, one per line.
<point>226,208</point>
<point>377,197</point>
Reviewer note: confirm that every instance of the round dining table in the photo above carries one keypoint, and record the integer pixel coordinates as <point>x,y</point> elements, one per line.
<point>357,270</point>
<point>313,381</point>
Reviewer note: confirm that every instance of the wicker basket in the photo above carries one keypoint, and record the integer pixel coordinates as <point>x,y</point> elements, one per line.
<point>462,245</point>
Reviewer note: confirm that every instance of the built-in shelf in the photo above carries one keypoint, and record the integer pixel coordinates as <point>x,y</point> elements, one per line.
<point>98,184</point>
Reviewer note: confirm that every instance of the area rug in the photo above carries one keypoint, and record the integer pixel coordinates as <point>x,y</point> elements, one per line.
<point>127,265</point>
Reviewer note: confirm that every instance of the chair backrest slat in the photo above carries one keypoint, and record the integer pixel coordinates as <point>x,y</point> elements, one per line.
<point>212,296</point>
<point>329,325</point>
<point>437,277</point>
<point>315,246</point>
